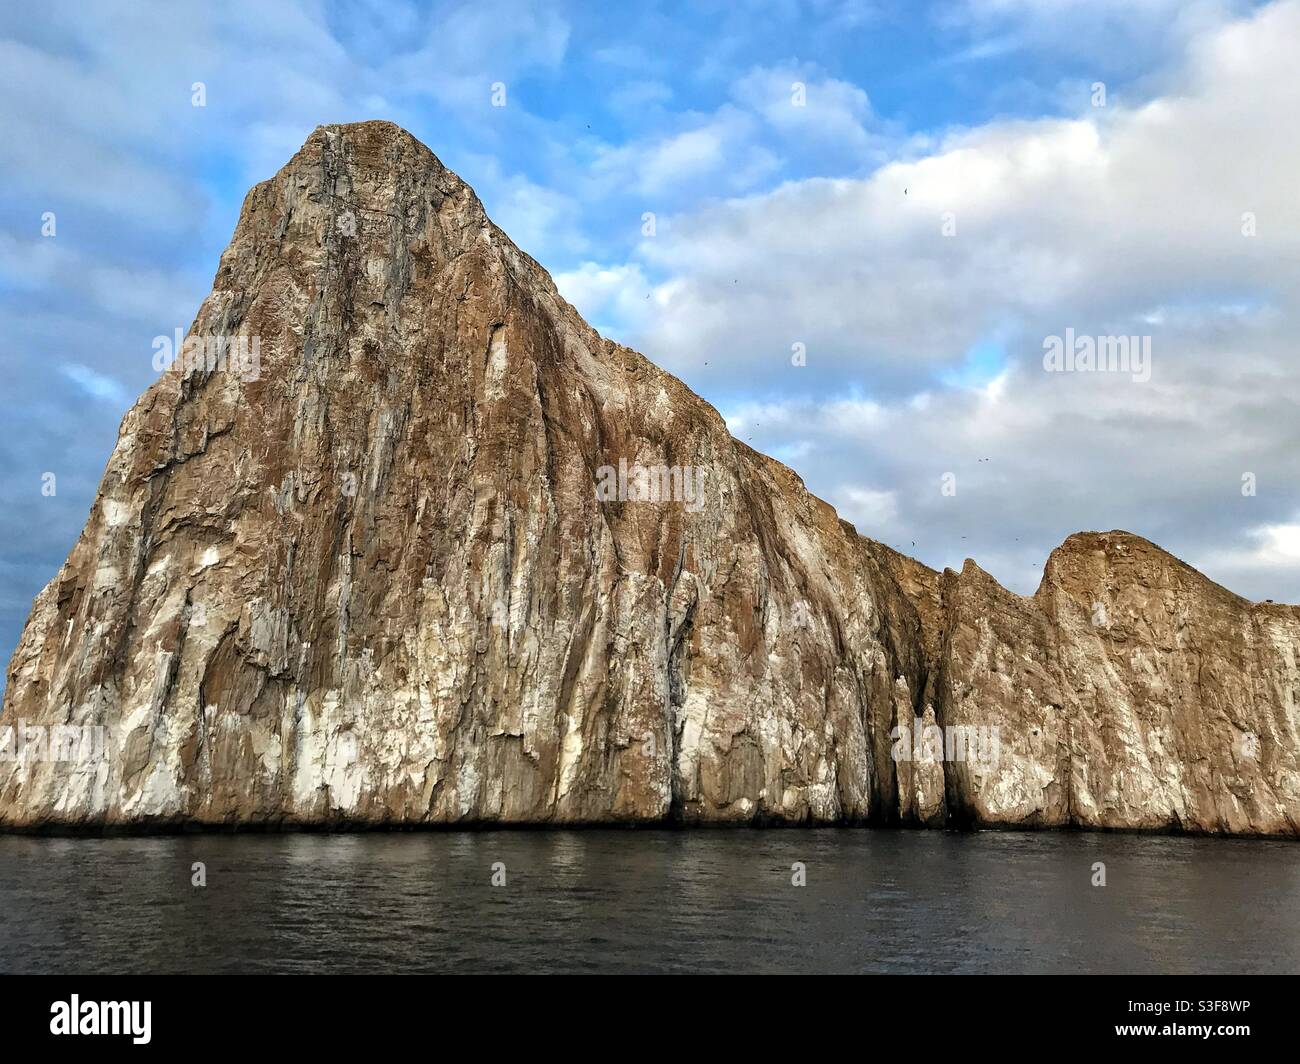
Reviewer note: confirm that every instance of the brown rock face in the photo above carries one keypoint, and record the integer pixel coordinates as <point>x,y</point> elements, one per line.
<point>417,546</point>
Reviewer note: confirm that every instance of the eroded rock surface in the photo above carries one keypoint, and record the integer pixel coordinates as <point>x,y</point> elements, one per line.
<point>400,574</point>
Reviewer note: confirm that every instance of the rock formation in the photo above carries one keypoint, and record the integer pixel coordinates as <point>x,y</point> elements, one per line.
<point>408,543</point>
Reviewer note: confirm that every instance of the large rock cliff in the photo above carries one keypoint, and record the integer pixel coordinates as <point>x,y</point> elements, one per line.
<point>399,539</point>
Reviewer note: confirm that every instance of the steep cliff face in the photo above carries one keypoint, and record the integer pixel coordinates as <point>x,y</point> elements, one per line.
<point>1128,692</point>
<point>438,553</point>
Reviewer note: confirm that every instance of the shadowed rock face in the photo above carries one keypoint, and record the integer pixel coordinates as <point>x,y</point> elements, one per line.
<point>441,554</point>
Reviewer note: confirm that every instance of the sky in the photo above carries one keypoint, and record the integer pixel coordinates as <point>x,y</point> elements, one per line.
<point>853,226</point>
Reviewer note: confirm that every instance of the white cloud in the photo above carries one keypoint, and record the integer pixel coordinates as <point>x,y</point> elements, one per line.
<point>95,385</point>
<point>721,150</point>
<point>828,118</point>
<point>869,508</point>
<point>1113,35</point>
<point>1056,222</point>
<point>611,298</point>
<point>1260,562</point>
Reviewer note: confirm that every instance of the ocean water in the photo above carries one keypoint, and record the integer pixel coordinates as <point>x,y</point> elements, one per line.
<point>650,901</point>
